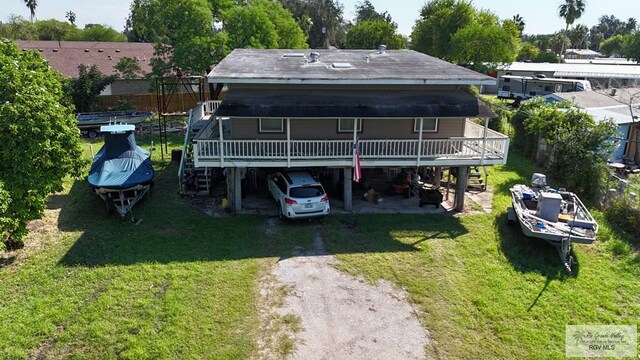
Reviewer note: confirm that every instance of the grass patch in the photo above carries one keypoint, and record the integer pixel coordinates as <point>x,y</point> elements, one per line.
<point>184,285</point>
<point>484,289</point>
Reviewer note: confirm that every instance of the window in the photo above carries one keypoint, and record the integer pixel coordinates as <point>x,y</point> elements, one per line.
<point>506,88</point>
<point>428,125</point>
<point>271,125</point>
<point>346,125</point>
<point>549,88</point>
<point>507,79</point>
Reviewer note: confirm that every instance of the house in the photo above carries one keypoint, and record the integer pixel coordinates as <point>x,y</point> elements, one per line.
<point>334,109</point>
<point>66,56</point>
<point>581,54</point>
<point>612,106</point>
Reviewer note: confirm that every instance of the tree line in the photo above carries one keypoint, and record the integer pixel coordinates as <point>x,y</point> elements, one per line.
<point>194,34</point>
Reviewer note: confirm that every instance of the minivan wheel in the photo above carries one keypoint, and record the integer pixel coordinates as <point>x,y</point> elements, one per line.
<point>280,213</point>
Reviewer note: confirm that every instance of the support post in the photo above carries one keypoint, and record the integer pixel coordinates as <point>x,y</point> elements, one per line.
<point>348,195</point>
<point>221,147</point>
<point>437,177</point>
<point>484,141</point>
<point>461,186</point>
<point>288,142</point>
<point>420,142</point>
<point>237,190</point>
<point>230,180</point>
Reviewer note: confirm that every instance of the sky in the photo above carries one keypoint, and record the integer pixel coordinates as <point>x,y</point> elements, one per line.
<point>540,16</point>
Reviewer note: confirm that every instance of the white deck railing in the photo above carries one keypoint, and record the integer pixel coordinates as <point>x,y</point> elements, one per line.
<point>340,152</point>
<point>256,151</point>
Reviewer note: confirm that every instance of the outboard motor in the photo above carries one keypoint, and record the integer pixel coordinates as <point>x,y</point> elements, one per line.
<point>538,180</point>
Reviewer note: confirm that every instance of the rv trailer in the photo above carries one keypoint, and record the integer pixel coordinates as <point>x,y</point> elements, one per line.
<point>525,87</point>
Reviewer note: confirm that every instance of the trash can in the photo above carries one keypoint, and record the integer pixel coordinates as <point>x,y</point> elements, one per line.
<point>176,155</point>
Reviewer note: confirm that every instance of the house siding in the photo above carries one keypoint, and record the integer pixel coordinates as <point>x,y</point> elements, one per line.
<point>319,129</point>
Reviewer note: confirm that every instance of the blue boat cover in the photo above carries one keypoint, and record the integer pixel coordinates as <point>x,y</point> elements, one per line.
<point>120,163</point>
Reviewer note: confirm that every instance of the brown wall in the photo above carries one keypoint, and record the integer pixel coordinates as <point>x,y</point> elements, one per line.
<point>317,129</point>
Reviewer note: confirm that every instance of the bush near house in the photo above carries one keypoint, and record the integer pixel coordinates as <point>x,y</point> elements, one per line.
<point>39,137</point>
<point>577,145</point>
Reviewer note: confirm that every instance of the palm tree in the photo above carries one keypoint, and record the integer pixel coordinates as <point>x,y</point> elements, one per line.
<point>570,11</point>
<point>519,21</point>
<point>31,4</point>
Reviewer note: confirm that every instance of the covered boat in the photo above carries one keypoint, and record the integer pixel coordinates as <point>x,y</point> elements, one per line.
<point>556,216</point>
<point>121,173</point>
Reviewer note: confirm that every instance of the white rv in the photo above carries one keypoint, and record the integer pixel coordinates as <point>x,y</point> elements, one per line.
<point>526,87</point>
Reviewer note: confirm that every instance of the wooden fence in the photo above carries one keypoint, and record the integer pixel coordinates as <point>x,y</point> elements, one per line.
<point>179,102</point>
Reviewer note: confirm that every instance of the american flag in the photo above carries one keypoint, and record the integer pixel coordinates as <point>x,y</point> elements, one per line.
<point>357,171</point>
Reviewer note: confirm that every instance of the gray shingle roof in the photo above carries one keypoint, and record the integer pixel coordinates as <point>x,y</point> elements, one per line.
<point>281,66</point>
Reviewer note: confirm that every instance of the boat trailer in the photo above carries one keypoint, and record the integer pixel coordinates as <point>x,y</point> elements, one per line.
<point>563,247</point>
<point>123,200</point>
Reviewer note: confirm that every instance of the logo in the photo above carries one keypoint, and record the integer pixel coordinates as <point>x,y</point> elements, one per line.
<point>613,341</point>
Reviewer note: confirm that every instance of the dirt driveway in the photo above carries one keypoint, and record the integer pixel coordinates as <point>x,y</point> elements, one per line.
<point>340,316</point>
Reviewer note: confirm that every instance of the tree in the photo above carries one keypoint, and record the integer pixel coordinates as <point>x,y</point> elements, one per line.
<point>528,52</point>
<point>365,11</point>
<point>128,68</point>
<point>181,30</point>
<point>570,11</point>
<point>71,16</point>
<point>370,34</point>
<point>577,145</point>
<point>578,35</point>
<point>97,32</point>
<point>31,5</point>
<point>40,139</point>
<point>632,47</point>
<point>326,20</point>
<point>558,42</point>
<point>519,21</point>
<point>485,42</point>
<point>547,57</point>
<point>18,28</point>
<point>52,29</point>
<point>290,35</point>
<point>84,89</point>
<point>439,21</point>
<point>248,26</point>
<point>614,46</point>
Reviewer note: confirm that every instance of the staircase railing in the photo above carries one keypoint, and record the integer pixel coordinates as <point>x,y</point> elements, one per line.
<point>185,144</point>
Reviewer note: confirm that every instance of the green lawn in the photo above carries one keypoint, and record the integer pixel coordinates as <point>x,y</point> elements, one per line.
<point>182,285</point>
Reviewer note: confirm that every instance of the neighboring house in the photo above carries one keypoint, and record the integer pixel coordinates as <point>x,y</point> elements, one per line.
<point>289,109</point>
<point>66,56</point>
<point>609,107</point>
<point>601,75</point>
<point>581,54</point>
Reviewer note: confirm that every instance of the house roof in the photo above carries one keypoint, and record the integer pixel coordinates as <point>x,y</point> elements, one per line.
<point>587,99</point>
<point>579,70</point>
<point>584,52</point>
<point>65,56</point>
<point>350,104</point>
<point>600,106</point>
<point>279,66</point>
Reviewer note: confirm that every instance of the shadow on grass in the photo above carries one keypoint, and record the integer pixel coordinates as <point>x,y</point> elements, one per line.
<point>171,231</point>
<point>530,254</point>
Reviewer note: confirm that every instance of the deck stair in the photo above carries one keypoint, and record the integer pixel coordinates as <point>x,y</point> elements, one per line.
<point>477,180</point>
<point>203,175</point>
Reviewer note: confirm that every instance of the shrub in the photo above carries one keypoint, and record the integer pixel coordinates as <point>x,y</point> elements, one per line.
<point>39,137</point>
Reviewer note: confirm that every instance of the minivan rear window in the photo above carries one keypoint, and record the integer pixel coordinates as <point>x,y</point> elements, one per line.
<point>306,191</point>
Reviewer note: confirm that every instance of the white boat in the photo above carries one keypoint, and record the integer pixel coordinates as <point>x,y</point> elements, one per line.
<point>556,216</point>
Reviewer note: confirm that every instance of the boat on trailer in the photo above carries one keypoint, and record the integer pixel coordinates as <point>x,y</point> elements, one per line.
<point>556,216</point>
<point>122,172</point>
<point>89,123</point>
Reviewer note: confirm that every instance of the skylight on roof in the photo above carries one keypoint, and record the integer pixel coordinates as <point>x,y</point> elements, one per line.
<point>341,65</point>
<point>293,55</point>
